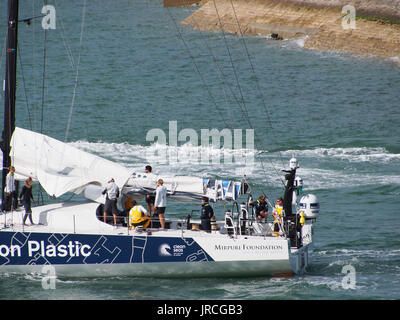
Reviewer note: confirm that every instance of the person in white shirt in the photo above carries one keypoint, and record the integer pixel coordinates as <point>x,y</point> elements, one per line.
<point>161,201</point>
<point>112,193</point>
<point>10,190</point>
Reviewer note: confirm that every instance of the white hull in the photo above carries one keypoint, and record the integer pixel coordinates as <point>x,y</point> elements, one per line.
<point>97,249</point>
<point>165,270</point>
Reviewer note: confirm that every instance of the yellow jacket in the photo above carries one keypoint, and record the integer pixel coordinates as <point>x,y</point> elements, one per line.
<point>138,217</point>
<point>278,213</point>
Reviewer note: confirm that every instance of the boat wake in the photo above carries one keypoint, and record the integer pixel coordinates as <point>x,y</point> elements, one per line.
<point>322,168</point>
<point>363,154</point>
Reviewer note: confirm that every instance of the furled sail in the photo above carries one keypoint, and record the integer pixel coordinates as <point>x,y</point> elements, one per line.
<point>185,187</point>
<point>61,168</point>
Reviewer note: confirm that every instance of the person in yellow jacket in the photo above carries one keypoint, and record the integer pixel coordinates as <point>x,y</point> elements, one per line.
<point>277,213</point>
<point>138,216</point>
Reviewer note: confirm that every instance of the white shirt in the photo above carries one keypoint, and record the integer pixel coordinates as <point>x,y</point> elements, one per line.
<point>112,190</point>
<point>161,197</point>
<point>10,183</point>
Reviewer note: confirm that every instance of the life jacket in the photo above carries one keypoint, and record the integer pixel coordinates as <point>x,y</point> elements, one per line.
<point>278,213</point>
<point>137,218</point>
<point>302,218</point>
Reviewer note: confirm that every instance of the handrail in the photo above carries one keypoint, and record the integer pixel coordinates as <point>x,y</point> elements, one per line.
<point>230,227</point>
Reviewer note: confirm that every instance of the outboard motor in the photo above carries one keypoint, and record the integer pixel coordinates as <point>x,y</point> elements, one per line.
<point>309,204</point>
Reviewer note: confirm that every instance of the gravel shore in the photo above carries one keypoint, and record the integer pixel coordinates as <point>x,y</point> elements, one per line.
<point>375,31</point>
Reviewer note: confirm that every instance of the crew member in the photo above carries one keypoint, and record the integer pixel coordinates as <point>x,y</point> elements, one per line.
<point>161,201</point>
<point>26,196</point>
<point>10,191</point>
<point>261,209</point>
<point>112,194</point>
<point>207,213</point>
<point>278,215</point>
<point>150,199</point>
<point>138,216</point>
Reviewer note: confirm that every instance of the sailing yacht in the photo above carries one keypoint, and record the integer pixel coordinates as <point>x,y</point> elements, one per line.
<point>73,238</point>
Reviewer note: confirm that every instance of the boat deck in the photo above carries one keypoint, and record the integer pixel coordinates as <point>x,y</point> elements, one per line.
<point>44,222</point>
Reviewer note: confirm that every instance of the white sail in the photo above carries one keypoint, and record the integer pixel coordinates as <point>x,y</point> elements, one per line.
<point>61,168</point>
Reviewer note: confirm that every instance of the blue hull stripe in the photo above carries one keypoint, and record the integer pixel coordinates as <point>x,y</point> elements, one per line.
<point>17,248</point>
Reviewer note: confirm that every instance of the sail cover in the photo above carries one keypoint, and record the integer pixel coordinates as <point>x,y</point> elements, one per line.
<point>185,187</point>
<point>61,168</point>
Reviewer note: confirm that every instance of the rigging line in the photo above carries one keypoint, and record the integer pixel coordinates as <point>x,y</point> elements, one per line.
<point>233,68</point>
<point>33,73</point>
<point>43,74</point>
<point>255,75</point>
<point>77,73</point>
<point>196,66</point>
<point>245,113</point>
<point>43,80</point>
<point>23,82</point>
<point>66,45</point>
<point>221,73</point>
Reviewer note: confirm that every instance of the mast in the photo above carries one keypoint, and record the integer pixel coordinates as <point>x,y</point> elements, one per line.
<point>10,83</point>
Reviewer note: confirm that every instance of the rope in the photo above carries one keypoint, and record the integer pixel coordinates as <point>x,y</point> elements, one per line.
<point>255,75</point>
<point>66,45</point>
<point>245,111</point>
<point>196,67</point>
<point>43,79</point>
<point>77,73</point>
<point>23,82</point>
<point>221,74</point>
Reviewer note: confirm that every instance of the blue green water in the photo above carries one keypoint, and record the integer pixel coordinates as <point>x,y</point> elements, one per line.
<point>339,116</point>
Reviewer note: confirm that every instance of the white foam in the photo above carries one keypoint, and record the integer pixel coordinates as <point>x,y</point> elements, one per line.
<point>361,154</point>
<point>185,159</point>
<point>265,169</point>
<point>301,41</point>
<point>395,59</point>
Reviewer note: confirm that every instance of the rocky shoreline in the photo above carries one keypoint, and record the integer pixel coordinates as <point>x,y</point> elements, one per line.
<point>320,22</point>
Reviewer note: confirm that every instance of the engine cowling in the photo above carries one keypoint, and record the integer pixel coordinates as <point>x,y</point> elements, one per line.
<point>309,204</point>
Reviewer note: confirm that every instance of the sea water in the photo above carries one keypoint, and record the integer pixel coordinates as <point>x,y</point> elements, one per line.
<point>135,68</point>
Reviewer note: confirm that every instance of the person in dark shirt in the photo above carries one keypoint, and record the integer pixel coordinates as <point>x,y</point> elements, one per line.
<point>206,213</point>
<point>26,196</point>
<point>261,208</point>
<point>150,199</point>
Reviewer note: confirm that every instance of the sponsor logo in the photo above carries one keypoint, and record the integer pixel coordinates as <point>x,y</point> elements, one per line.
<point>72,249</point>
<point>249,247</point>
<point>176,250</point>
<point>164,250</point>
